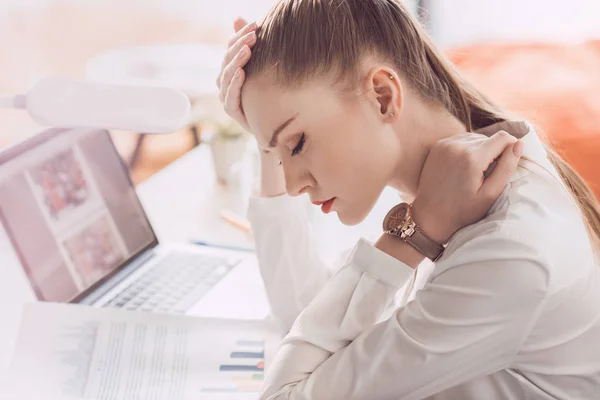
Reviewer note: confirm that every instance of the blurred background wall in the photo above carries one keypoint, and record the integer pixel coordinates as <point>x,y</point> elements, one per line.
<point>459,22</point>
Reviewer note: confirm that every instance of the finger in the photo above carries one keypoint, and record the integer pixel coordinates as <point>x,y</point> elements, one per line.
<point>233,98</point>
<point>493,147</point>
<point>248,40</point>
<point>505,167</point>
<point>469,137</point>
<point>251,27</point>
<point>237,63</point>
<point>239,24</point>
<point>240,33</point>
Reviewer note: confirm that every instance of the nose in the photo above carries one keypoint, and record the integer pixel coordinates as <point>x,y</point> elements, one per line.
<point>297,179</point>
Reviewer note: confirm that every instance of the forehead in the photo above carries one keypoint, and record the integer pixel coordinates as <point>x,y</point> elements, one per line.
<point>267,104</point>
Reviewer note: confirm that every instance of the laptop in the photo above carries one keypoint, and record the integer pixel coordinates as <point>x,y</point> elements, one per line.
<point>73,216</point>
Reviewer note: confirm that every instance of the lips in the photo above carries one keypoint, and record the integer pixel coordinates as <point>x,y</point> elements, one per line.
<point>325,205</point>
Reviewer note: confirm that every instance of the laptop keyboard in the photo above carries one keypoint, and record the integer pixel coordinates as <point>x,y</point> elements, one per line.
<point>175,283</point>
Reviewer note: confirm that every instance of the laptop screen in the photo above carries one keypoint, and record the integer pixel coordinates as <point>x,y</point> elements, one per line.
<point>70,210</point>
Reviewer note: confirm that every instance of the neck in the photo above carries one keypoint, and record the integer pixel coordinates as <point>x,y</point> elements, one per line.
<point>419,127</point>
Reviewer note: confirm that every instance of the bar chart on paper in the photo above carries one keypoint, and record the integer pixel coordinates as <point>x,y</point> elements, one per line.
<point>240,375</point>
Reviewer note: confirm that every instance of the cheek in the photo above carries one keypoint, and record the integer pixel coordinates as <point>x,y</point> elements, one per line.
<point>370,151</point>
<point>374,159</point>
<point>347,162</point>
<point>351,155</point>
<point>336,157</point>
<point>328,165</point>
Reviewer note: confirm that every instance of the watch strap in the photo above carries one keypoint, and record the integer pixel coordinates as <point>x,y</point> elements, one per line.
<point>424,244</point>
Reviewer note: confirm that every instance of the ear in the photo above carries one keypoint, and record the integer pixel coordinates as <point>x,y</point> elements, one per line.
<point>386,90</point>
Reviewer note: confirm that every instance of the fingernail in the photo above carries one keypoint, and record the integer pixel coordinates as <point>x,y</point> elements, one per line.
<point>518,148</point>
<point>237,73</point>
<point>244,51</point>
<point>252,25</point>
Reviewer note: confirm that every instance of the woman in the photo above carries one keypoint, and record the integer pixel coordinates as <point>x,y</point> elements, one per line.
<point>349,96</point>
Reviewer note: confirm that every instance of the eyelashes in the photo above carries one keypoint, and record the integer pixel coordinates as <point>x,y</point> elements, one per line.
<point>296,150</point>
<point>299,146</point>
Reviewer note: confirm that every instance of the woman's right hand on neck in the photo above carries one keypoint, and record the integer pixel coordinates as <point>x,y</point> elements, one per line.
<point>230,81</point>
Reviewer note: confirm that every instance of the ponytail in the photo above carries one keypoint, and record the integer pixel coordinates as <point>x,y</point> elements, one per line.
<point>476,112</point>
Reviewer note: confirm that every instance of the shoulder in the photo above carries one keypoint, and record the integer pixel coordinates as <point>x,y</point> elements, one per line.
<point>521,235</point>
<point>534,207</point>
<point>511,241</point>
<point>513,221</point>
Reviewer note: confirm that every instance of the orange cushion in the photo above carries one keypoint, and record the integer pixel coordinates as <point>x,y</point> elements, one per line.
<point>556,87</point>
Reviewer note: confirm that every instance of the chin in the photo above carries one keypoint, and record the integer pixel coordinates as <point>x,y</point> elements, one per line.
<point>356,212</point>
<point>352,218</point>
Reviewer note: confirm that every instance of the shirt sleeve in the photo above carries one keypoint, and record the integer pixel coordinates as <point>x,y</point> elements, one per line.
<point>468,321</point>
<point>291,267</point>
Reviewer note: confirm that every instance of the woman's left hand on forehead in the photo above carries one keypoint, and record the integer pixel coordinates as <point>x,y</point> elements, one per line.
<point>457,186</point>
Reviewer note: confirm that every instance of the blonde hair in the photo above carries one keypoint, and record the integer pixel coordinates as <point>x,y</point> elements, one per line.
<point>302,39</point>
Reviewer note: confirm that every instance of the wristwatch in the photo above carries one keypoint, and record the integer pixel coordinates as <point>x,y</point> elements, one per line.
<point>398,222</point>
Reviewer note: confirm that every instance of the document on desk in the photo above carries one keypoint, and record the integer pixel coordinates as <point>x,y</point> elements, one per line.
<point>74,352</point>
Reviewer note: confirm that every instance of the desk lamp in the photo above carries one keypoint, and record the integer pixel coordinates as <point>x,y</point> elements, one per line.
<point>68,103</point>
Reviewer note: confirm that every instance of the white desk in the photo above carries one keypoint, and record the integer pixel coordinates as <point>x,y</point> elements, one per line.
<point>182,202</point>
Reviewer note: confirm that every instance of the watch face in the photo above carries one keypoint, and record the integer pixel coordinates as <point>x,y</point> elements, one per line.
<point>395,217</point>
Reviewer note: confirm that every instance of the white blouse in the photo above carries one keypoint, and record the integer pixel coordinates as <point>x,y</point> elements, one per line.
<point>511,311</point>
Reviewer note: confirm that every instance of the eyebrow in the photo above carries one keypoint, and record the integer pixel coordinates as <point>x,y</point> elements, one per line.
<point>281,127</point>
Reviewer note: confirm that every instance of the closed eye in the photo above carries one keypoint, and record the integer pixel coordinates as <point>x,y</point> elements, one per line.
<point>299,146</point>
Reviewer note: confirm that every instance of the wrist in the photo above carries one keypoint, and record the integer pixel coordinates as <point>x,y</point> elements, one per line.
<point>400,250</point>
<point>438,229</point>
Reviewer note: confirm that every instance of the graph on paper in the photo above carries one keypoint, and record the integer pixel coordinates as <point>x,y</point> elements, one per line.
<point>242,371</point>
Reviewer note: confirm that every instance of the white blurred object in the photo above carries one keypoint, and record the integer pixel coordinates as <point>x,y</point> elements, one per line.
<point>190,68</point>
<point>229,158</point>
<point>69,103</point>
